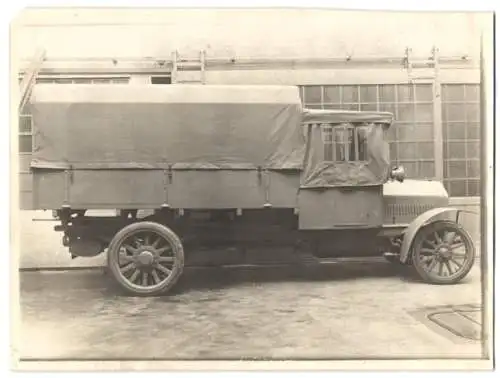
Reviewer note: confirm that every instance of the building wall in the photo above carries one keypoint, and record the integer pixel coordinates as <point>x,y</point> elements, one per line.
<point>235,33</point>
<point>124,49</point>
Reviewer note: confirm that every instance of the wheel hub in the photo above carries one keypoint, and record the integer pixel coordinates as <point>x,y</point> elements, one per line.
<point>145,258</point>
<point>444,252</point>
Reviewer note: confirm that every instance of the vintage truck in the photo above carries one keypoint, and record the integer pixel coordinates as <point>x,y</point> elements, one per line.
<point>185,168</point>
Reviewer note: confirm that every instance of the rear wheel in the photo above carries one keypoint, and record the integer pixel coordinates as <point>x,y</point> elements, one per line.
<point>443,253</point>
<point>146,258</point>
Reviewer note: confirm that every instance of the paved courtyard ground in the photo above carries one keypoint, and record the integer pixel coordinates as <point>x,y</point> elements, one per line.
<point>367,310</point>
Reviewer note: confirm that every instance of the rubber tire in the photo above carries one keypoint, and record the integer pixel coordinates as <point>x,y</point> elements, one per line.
<point>443,280</point>
<point>177,249</point>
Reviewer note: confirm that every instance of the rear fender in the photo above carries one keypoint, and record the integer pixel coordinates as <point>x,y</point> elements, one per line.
<point>440,213</point>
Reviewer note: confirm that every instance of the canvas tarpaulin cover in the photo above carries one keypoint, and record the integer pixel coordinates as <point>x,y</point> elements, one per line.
<point>346,164</point>
<point>190,127</point>
<point>176,126</point>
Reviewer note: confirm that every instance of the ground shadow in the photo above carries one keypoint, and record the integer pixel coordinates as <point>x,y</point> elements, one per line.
<point>216,278</point>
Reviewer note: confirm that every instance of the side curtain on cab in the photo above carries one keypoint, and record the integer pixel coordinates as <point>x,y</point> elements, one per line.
<point>333,160</point>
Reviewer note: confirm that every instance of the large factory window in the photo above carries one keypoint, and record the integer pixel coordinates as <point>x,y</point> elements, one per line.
<point>161,79</point>
<point>461,137</point>
<point>411,137</point>
<point>84,80</point>
<point>25,136</point>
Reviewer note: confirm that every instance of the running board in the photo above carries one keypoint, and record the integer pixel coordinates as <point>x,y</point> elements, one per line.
<point>306,261</point>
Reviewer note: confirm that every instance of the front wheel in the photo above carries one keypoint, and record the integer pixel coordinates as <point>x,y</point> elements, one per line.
<point>146,258</point>
<point>443,253</point>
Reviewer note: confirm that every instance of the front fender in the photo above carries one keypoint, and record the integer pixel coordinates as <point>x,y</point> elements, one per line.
<point>439,213</point>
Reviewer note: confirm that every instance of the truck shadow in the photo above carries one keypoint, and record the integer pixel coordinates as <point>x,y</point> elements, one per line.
<point>219,278</point>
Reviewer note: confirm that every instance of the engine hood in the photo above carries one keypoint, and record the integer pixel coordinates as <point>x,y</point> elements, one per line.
<point>415,188</point>
<point>404,201</point>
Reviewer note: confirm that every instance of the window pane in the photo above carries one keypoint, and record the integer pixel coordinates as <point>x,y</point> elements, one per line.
<point>472,112</point>
<point>327,134</point>
<point>424,113</point>
<point>446,184</point>
<point>387,93</point>
<point>455,112</point>
<point>472,92</point>
<point>161,80</point>
<point>406,132</point>
<point>473,130</point>
<point>24,124</point>
<point>456,169</point>
<point>333,106</point>
<point>473,168</point>
<point>312,94</point>
<point>473,150</point>
<point>354,107</point>
<point>44,80</point>
<point>408,150</point>
<point>350,94</point>
<point>391,108</point>
<point>120,80</point>
<point>332,94</point>
<point>101,81</point>
<point>393,150</point>
<point>424,131</point>
<point>423,92</point>
<point>362,144</point>
<point>328,151</point>
<point>425,150</point>
<point>63,81</point>
<point>457,188</point>
<point>456,130</point>
<point>313,106</point>
<point>411,169</point>
<point>406,112</point>
<point>82,81</point>
<point>341,138</point>
<point>456,150</point>
<point>368,93</point>
<point>24,143</point>
<point>405,93</point>
<point>453,92</point>
<point>391,133</point>
<point>426,169</point>
<point>369,107</point>
<point>473,187</point>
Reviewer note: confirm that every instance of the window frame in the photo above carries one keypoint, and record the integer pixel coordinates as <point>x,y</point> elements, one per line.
<point>340,141</point>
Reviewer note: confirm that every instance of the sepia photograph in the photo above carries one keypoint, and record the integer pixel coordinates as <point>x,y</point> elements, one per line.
<point>209,188</point>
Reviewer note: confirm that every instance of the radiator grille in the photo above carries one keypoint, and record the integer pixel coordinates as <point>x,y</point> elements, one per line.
<point>396,212</point>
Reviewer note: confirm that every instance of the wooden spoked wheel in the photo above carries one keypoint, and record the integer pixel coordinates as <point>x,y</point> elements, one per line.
<point>146,258</point>
<point>443,253</point>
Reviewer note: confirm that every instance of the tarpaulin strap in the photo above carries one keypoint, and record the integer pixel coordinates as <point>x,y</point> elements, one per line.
<point>68,181</point>
<point>264,172</point>
<point>165,185</point>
